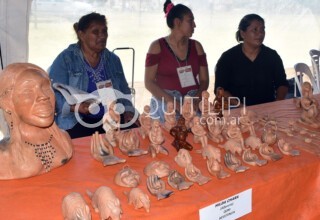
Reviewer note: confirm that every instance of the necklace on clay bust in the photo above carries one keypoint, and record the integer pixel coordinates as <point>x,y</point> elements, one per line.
<point>45,152</point>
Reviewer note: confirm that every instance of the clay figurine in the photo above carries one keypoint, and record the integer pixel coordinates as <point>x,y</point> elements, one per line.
<point>215,128</point>
<point>111,123</point>
<point>234,133</point>
<point>106,203</point>
<point>233,163</point>
<point>145,121</point>
<point>214,166</point>
<point>252,159</point>
<point>177,181</point>
<point>129,143</point>
<point>138,199</point>
<point>156,139</point>
<point>32,144</point>
<point>268,153</point>
<point>159,168</point>
<point>287,149</point>
<point>233,146</point>
<point>170,117</point>
<point>194,174</point>
<point>183,158</point>
<point>188,112</point>
<point>219,102</point>
<point>74,207</point>
<point>199,133</point>
<point>253,142</point>
<point>269,134</point>
<point>102,151</point>
<point>180,134</point>
<point>127,177</point>
<point>157,187</point>
<point>246,121</point>
<point>205,106</point>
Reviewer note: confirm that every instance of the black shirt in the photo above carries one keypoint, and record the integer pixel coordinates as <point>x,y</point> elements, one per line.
<point>256,80</point>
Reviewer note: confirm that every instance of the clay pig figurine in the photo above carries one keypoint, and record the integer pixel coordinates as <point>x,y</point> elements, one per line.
<point>74,207</point>
<point>138,198</point>
<point>105,202</point>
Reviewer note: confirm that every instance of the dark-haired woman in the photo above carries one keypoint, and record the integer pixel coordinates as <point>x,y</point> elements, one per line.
<point>176,65</point>
<point>88,65</point>
<point>251,71</point>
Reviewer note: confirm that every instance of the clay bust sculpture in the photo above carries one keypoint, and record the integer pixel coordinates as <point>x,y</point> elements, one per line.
<point>220,103</point>
<point>33,143</point>
<point>170,117</point>
<point>199,133</point>
<point>127,177</point>
<point>74,207</point>
<point>156,139</point>
<point>106,203</point>
<point>145,121</point>
<point>205,106</point>
<point>159,168</point>
<point>180,134</point>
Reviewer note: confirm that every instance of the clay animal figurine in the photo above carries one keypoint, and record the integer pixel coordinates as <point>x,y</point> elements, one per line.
<point>156,139</point>
<point>183,158</point>
<point>138,199</point>
<point>129,143</point>
<point>286,148</point>
<point>33,143</point>
<point>233,146</point>
<point>213,156</point>
<point>145,121</point>
<point>102,151</point>
<point>169,117</point>
<point>111,123</point>
<point>215,127</point>
<point>106,203</point>
<point>252,159</point>
<point>268,153</point>
<point>194,175</point>
<point>180,134</point>
<point>127,177</point>
<point>157,187</point>
<point>159,168</point>
<point>74,207</point>
<point>177,181</point>
<point>188,112</point>
<point>199,133</point>
<point>233,163</point>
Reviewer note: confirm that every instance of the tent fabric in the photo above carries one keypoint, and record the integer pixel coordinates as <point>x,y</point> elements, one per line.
<point>14,28</point>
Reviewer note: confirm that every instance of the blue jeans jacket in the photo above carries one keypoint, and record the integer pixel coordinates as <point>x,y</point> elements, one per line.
<point>69,68</point>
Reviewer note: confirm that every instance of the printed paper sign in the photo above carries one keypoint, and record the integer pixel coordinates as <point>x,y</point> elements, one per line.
<point>228,209</point>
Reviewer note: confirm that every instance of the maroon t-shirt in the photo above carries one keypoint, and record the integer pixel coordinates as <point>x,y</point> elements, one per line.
<point>167,76</point>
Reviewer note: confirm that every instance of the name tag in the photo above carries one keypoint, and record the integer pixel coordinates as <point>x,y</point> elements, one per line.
<point>186,77</point>
<point>230,208</point>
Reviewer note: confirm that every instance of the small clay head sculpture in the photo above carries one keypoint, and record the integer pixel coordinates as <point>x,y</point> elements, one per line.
<point>159,168</point>
<point>127,177</point>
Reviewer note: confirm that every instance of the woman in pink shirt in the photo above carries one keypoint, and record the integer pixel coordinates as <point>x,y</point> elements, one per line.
<point>176,65</point>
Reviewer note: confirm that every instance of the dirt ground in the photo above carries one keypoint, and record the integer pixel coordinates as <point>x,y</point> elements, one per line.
<point>291,34</point>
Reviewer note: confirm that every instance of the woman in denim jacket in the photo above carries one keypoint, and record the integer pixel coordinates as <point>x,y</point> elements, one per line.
<point>88,65</point>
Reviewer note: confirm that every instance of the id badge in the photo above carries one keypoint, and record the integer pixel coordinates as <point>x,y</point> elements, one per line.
<point>186,77</point>
<point>106,92</point>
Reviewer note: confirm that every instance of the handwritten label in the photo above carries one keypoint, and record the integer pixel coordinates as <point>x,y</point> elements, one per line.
<point>229,208</point>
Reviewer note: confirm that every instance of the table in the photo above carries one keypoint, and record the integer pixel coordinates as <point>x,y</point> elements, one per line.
<point>285,189</point>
